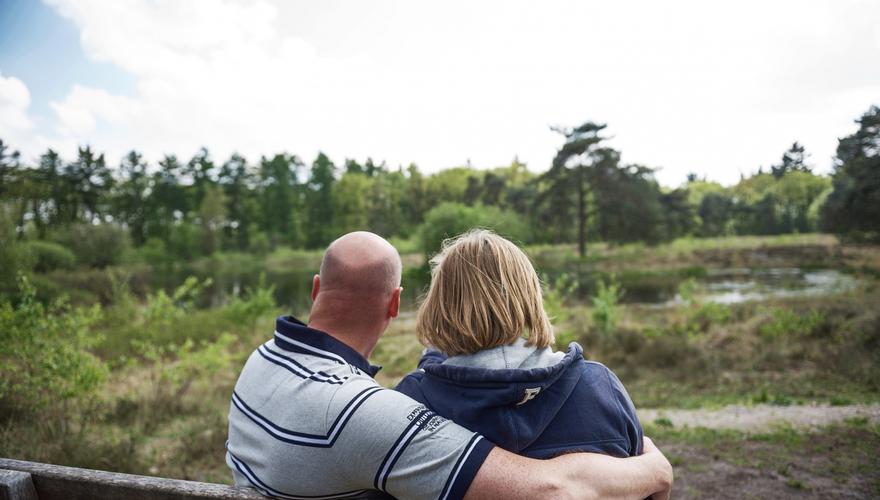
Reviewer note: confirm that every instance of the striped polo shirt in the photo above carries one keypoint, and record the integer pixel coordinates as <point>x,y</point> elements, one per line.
<point>307,420</point>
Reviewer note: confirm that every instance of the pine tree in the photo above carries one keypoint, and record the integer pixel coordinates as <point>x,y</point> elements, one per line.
<point>131,196</point>
<point>319,231</point>
<point>793,160</point>
<point>569,176</point>
<point>853,207</point>
<point>279,198</point>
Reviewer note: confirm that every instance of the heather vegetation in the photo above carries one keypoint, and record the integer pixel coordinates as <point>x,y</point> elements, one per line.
<point>142,384</point>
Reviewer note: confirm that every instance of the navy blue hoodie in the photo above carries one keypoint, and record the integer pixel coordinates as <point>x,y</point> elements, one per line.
<point>534,402</point>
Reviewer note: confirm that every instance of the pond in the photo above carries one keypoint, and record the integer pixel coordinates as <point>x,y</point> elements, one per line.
<point>723,286</point>
<point>733,286</point>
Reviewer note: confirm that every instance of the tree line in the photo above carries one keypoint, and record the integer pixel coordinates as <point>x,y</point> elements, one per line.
<point>199,206</point>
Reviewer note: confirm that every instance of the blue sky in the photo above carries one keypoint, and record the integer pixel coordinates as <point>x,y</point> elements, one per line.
<point>43,49</point>
<point>715,88</point>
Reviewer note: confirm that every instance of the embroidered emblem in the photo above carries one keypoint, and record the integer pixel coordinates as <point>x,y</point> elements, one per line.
<point>529,395</point>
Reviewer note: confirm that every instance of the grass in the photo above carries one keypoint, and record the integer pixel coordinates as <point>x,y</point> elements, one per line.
<point>679,248</point>
<point>782,389</point>
<point>691,244</point>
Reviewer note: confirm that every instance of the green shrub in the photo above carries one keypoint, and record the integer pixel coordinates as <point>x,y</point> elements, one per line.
<point>173,364</point>
<point>699,317</point>
<point>606,311</point>
<point>161,309</point>
<point>185,240</point>
<point>688,290</point>
<point>703,316</point>
<point>407,245</point>
<point>448,220</point>
<point>155,253</point>
<point>14,257</point>
<point>256,303</point>
<point>259,243</point>
<point>49,256</point>
<point>782,400</point>
<point>663,422</point>
<point>44,353</point>
<point>173,369</point>
<point>556,294</point>
<point>87,286</point>
<point>95,245</point>
<point>787,322</point>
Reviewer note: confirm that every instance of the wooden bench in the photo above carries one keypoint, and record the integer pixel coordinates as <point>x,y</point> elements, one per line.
<point>20,480</point>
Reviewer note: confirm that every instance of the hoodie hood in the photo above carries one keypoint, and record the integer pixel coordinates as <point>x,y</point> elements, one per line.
<point>511,392</point>
<point>515,356</point>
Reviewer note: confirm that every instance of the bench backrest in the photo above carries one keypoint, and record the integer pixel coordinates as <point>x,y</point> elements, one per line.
<point>57,482</point>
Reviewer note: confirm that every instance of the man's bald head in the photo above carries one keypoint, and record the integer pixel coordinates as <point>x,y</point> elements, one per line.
<point>360,263</point>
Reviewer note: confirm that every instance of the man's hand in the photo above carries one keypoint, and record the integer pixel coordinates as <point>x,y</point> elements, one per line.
<point>663,465</point>
<point>586,476</point>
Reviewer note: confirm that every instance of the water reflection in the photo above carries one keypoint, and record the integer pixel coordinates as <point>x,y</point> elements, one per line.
<point>733,286</point>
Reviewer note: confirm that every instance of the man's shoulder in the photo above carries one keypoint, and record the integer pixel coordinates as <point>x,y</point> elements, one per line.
<point>292,386</point>
<point>269,361</point>
<point>287,387</point>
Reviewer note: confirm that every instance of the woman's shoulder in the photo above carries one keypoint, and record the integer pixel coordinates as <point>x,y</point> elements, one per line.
<point>595,373</point>
<point>586,366</point>
<point>596,368</point>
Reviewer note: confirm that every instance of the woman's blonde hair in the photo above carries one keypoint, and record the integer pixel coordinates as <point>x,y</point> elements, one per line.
<point>484,293</point>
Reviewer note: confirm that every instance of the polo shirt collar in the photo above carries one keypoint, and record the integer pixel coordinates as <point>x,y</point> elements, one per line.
<point>291,334</point>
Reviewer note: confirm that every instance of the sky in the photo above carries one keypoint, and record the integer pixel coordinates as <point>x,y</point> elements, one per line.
<point>715,88</point>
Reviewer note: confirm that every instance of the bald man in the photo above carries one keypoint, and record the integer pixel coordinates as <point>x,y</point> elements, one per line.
<point>308,420</point>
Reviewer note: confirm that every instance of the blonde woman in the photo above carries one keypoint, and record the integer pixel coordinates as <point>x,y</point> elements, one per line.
<point>490,366</point>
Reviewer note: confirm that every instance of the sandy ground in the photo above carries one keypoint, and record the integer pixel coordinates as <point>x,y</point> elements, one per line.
<point>760,418</point>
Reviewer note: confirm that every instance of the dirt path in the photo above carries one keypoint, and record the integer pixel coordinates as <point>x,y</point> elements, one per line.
<point>763,471</point>
<point>832,462</point>
<point>759,418</point>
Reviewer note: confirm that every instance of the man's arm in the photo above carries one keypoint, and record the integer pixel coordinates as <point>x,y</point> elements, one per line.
<point>577,475</point>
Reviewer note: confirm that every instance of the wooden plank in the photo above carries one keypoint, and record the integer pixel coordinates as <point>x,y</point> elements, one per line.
<point>16,485</point>
<point>57,482</point>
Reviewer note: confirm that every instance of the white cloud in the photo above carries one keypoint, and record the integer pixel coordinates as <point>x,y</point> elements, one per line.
<point>689,86</point>
<point>83,107</point>
<point>18,129</point>
<point>14,102</point>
